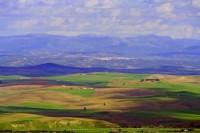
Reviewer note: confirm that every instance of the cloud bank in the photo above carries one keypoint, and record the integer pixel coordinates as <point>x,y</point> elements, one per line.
<point>173,18</point>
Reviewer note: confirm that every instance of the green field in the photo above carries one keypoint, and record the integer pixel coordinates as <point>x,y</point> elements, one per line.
<point>96,79</point>
<point>14,77</point>
<point>101,102</point>
<point>85,92</point>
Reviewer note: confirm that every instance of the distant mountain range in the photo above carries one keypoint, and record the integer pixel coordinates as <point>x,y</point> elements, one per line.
<point>50,69</point>
<point>130,46</point>
<point>100,51</point>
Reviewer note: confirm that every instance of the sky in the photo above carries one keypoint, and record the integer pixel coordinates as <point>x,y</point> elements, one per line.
<point>173,18</point>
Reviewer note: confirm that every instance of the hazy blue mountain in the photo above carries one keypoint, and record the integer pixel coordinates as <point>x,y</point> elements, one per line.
<point>86,50</point>
<point>141,45</point>
<point>50,69</point>
<point>47,70</point>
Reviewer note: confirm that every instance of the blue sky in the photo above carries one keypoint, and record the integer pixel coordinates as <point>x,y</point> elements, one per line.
<point>174,18</point>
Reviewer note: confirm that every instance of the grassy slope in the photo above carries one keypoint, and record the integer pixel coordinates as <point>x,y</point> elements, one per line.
<point>41,105</point>
<point>96,79</point>
<point>14,77</point>
<point>170,90</point>
<point>79,92</point>
<point>127,81</point>
<point>26,122</point>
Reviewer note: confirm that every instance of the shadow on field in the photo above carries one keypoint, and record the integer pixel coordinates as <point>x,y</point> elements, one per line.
<point>124,119</point>
<point>160,99</point>
<point>180,100</point>
<point>160,107</point>
<point>50,82</point>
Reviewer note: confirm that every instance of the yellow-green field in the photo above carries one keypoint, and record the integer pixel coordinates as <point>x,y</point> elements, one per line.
<point>100,102</point>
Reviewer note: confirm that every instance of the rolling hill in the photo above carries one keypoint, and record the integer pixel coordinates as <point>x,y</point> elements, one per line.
<point>50,69</point>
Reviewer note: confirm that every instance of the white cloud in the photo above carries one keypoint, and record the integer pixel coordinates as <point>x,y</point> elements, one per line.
<point>198,31</point>
<point>180,31</point>
<point>101,3</point>
<point>157,28</point>
<point>57,21</point>
<point>50,2</point>
<point>71,19</point>
<point>110,17</point>
<point>134,12</point>
<point>22,1</point>
<point>35,23</point>
<point>91,3</point>
<point>166,10</point>
<point>25,24</point>
<point>196,3</point>
<point>109,3</point>
<point>115,13</point>
<point>83,25</point>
